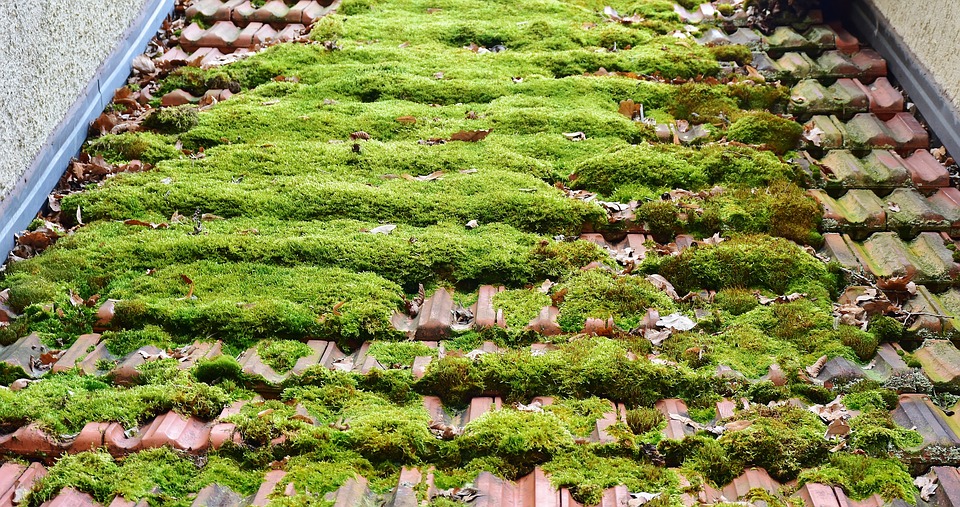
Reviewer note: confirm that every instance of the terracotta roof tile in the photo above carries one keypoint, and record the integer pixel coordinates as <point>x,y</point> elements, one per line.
<point>752,478</point>
<point>546,322</point>
<point>69,497</point>
<point>616,413</point>
<point>352,493</point>
<point>16,479</point>
<point>884,254</point>
<point>948,491</point>
<point>878,170</point>
<point>916,411</point>
<point>926,172</point>
<point>273,477</point>
<point>484,312</point>
<point>675,429</point>
<point>215,495</point>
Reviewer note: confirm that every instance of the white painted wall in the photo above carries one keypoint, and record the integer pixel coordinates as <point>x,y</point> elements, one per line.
<point>49,51</point>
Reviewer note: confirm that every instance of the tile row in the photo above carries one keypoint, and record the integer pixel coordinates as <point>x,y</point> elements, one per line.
<point>783,39</point>
<point>878,170</point>
<point>845,98</point>
<point>927,260</point>
<point>244,12</point>
<point>227,37</point>
<point>904,211</point>
<point>866,65</point>
<point>866,131</point>
<point>708,13</point>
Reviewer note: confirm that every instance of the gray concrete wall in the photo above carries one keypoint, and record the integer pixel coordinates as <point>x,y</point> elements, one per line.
<point>49,51</point>
<point>929,29</point>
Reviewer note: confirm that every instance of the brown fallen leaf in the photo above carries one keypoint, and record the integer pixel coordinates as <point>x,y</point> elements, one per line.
<point>407,120</point>
<point>337,307</point>
<point>186,279</point>
<point>470,136</point>
<point>359,135</point>
<point>557,297</point>
<point>210,217</point>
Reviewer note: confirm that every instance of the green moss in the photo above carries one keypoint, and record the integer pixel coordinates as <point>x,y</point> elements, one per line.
<point>520,306</point>
<point>644,419</point>
<point>783,441</point>
<point>637,171</point>
<point>399,354</point>
<point>144,146</point>
<point>733,53</point>
<point>63,404</point>
<point>862,477</point>
<point>124,342</point>
<point>282,355</point>
<point>862,342</point>
<point>601,294</point>
<point>875,432</point>
<point>662,219</point>
<point>327,28</point>
<point>160,476</point>
<point>583,368</point>
<point>173,120</point>
<point>886,329</point>
<point>762,128</point>
<point>783,210</point>
<point>588,475</point>
<point>736,301</point>
<point>521,440</point>
<point>750,262</point>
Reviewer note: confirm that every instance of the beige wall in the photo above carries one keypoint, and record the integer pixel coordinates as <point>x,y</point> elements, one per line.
<point>930,30</point>
<point>49,51</point>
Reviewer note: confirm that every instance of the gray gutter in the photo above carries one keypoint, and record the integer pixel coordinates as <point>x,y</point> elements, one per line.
<point>931,100</point>
<point>29,193</point>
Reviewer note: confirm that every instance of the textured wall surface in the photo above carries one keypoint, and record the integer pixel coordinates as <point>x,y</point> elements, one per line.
<point>929,28</point>
<point>49,51</point>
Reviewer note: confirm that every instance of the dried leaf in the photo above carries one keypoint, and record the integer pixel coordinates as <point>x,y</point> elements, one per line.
<point>663,284</point>
<point>407,120</point>
<point>677,321</point>
<point>187,280</point>
<point>336,308</point>
<point>359,135</point>
<point>557,297</point>
<point>470,136</point>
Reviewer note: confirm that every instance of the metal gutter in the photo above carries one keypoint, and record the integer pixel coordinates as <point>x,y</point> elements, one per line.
<point>30,192</point>
<point>915,78</point>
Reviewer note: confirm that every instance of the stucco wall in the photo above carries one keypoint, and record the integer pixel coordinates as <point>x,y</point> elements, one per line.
<point>49,51</point>
<point>929,29</point>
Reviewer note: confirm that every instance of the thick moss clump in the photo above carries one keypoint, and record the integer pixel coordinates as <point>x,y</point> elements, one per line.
<point>144,146</point>
<point>158,475</point>
<point>588,367</point>
<point>173,120</point>
<point>783,441</point>
<point>282,355</point>
<point>601,294</point>
<point>783,210</point>
<point>63,404</point>
<point>758,262</point>
<point>862,477</point>
<point>516,441</point>
<point>633,171</point>
<point>778,134</point>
